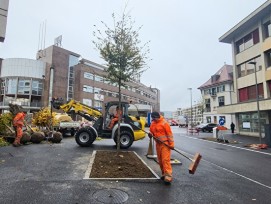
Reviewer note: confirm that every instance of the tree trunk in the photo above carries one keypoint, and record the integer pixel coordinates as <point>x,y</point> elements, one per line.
<point>118,137</point>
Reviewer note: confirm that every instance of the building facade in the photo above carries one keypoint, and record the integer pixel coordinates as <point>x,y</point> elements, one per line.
<point>218,92</point>
<point>62,73</point>
<point>3,18</point>
<point>251,49</point>
<point>22,82</point>
<point>194,117</point>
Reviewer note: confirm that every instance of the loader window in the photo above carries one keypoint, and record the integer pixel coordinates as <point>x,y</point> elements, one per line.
<point>133,110</point>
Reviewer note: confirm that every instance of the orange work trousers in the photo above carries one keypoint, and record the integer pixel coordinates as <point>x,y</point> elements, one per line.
<point>163,156</point>
<point>19,133</point>
<point>112,122</point>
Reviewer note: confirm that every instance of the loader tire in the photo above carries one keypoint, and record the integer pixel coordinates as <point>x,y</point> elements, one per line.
<point>85,136</point>
<point>126,139</point>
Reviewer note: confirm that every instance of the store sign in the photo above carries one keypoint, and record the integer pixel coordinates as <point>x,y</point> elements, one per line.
<point>246,125</point>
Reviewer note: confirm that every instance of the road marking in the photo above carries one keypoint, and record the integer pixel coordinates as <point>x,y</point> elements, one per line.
<point>251,150</point>
<point>238,174</point>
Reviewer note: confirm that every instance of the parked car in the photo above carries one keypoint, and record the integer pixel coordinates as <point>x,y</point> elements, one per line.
<point>207,127</point>
<point>200,126</point>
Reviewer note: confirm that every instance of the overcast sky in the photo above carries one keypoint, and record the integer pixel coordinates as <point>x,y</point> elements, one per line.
<point>184,46</point>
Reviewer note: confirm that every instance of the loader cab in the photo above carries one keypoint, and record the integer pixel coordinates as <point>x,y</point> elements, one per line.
<point>110,110</point>
<point>130,114</point>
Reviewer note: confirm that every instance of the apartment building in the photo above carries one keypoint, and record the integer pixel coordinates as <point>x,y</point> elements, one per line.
<point>3,18</point>
<point>58,72</point>
<point>251,49</point>
<point>195,116</point>
<point>218,92</point>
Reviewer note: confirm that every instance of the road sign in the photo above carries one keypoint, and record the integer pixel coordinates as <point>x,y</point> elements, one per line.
<point>221,121</point>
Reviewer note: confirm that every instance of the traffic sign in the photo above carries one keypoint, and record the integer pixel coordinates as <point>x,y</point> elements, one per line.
<point>221,121</point>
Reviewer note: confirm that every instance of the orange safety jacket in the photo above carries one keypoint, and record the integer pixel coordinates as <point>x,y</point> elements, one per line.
<point>19,119</point>
<point>161,130</point>
<point>118,114</point>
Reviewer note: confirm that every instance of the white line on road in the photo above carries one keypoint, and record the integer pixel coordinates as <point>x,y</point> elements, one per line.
<point>238,174</point>
<point>231,170</point>
<point>251,150</point>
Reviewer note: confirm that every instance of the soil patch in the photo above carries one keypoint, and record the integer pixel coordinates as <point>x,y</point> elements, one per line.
<point>110,164</point>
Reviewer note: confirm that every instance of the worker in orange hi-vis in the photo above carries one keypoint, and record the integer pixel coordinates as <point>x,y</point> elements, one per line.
<point>161,130</point>
<point>116,117</point>
<point>18,122</point>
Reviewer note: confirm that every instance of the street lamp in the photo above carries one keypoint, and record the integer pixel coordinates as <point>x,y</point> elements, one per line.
<point>190,89</point>
<point>257,100</point>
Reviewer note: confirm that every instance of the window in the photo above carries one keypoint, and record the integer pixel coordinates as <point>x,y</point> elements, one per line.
<point>246,68</point>
<point>249,122</point>
<point>267,29</point>
<point>97,90</point>
<point>87,88</point>
<point>24,87</point>
<point>249,93</point>
<point>207,105</point>
<point>2,87</point>
<point>73,60</point>
<point>243,95</point>
<point>88,75</point>
<point>241,70</point>
<point>221,101</point>
<point>213,93</point>
<point>268,58</point>
<point>98,104</point>
<point>247,41</point>
<point>99,78</point>
<point>269,86</point>
<point>37,87</point>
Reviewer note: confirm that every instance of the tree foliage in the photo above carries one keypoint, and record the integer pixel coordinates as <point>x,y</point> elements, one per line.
<point>5,120</point>
<point>120,48</point>
<point>44,118</point>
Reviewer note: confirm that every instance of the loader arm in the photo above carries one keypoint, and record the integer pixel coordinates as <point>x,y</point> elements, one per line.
<point>77,107</point>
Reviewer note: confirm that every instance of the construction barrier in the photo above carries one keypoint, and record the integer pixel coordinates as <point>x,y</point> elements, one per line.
<point>192,131</point>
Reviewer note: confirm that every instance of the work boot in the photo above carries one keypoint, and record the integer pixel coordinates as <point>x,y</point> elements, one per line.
<point>167,183</point>
<point>167,180</point>
<point>162,178</point>
<point>16,144</point>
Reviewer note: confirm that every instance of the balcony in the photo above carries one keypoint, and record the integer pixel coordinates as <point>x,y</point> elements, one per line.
<point>213,95</point>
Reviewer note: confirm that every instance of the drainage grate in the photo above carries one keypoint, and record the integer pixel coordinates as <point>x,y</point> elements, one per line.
<point>110,196</point>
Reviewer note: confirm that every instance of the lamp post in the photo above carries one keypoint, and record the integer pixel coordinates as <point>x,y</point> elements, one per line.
<point>257,100</point>
<point>190,89</point>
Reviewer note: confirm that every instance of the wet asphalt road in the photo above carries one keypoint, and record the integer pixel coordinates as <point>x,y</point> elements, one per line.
<point>48,173</point>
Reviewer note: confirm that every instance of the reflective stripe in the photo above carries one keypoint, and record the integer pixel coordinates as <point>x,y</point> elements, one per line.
<point>167,175</point>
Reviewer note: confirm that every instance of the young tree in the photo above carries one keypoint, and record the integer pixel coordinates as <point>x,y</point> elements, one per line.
<point>124,56</point>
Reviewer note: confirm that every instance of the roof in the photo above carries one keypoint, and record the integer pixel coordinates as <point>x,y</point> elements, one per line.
<point>246,23</point>
<point>223,75</point>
